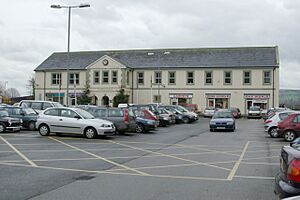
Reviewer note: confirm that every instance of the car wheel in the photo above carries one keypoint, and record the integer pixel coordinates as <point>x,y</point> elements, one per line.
<point>44,130</point>
<point>140,128</point>
<point>289,135</point>
<point>185,120</point>
<point>273,132</point>
<point>31,126</point>
<point>2,128</point>
<point>90,133</point>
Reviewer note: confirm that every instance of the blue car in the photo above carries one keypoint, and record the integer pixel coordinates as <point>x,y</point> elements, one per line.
<point>222,120</point>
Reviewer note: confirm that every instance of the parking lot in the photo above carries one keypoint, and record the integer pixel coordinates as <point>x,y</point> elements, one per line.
<point>178,162</point>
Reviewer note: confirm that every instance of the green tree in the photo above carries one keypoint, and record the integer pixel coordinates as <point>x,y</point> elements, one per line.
<point>84,99</point>
<point>121,97</point>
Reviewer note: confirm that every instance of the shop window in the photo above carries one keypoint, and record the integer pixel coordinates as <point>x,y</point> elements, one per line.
<point>227,78</point>
<point>74,78</point>
<point>140,78</point>
<point>156,98</point>
<point>96,77</point>
<point>208,78</point>
<point>114,77</point>
<point>157,76</point>
<point>172,78</point>
<point>247,77</point>
<point>267,77</point>
<point>56,78</point>
<point>105,77</point>
<point>190,78</point>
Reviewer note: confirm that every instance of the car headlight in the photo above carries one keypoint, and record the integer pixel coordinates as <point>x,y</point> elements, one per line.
<point>149,122</point>
<point>212,123</point>
<point>9,122</point>
<point>165,118</point>
<point>179,117</point>
<point>105,125</point>
<point>21,121</point>
<point>229,123</point>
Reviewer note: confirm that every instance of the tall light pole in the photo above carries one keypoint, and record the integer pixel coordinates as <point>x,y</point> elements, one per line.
<point>83,5</point>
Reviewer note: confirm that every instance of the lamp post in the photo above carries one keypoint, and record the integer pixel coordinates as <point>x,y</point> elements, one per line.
<point>69,27</point>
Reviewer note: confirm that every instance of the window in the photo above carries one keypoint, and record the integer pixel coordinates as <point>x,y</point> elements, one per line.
<point>190,78</point>
<point>127,78</point>
<point>247,77</point>
<point>297,119</point>
<point>105,77</point>
<point>36,105</point>
<point>140,78</point>
<point>68,113</point>
<point>46,105</point>
<point>208,78</point>
<point>156,98</point>
<point>115,113</point>
<point>227,77</point>
<point>96,77</point>
<point>56,78</point>
<point>52,112</point>
<point>101,113</point>
<point>16,111</point>
<point>157,76</point>
<point>172,78</point>
<point>267,77</point>
<point>114,77</point>
<point>74,78</point>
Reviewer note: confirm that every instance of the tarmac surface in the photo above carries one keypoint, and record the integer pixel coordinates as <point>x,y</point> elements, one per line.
<point>184,162</point>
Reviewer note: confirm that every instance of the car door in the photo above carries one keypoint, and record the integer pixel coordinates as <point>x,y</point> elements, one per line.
<point>296,124</point>
<point>70,122</point>
<point>51,118</point>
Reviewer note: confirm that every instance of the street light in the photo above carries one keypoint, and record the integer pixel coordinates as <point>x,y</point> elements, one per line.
<point>83,5</point>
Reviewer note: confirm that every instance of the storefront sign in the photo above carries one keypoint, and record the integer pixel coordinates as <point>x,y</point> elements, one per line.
<point>181,95</point>
<point>257,96</point>
<point>218,96</point>
<point>72,95</point>
<point>55,94</point>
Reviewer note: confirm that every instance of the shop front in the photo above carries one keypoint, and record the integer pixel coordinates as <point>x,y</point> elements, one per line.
<point>218,100</point>
<point>261,100</point>
<point>180,98</point>
<point>55,96</point>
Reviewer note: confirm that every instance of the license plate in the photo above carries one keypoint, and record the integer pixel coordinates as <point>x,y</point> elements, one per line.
<point>220,127</point>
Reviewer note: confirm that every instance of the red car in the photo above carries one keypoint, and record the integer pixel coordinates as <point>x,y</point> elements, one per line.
<point>289,128</point>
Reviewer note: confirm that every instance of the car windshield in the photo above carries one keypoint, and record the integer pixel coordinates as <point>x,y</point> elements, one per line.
<point>84,114</point>
<point>210,108</point>
<point>254,108</point>
<point>181,109</point>
<point>3,113</point>
<point>233,109</point>
<point>29,111</point>
<point>222,115</point>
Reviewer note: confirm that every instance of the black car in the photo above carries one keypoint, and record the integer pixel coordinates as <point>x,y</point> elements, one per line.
<point>287,181</point>
<point>7,123</point>
<point>28,116</point>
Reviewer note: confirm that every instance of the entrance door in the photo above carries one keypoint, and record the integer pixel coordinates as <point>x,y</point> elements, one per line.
<point>182,100</point>
<point>249,104</point>
<point>174,101</point>
<point>105,100</point>
<point>211,103</point>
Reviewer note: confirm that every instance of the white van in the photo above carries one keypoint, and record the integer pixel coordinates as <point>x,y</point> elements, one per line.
<point>39,106</point>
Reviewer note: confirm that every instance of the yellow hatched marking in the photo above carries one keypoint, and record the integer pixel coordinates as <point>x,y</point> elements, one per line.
<point>100,158</point>
<point>238,162</point>
<point>19,153</point>
<point>170,156</point>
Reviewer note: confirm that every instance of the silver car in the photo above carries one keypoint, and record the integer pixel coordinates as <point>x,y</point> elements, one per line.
<point>73,120</point>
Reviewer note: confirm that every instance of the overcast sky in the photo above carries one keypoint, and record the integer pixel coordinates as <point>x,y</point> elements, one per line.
<point>30,30</point>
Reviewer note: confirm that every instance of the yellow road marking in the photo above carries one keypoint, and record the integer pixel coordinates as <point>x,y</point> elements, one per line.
<point>238,162</point>
<point>116,173</point>
<point>99,157</point>
<point>18,152</point>
<point>170,156</point>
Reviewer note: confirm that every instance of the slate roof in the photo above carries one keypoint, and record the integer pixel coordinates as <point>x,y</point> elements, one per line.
<point>176,58</point>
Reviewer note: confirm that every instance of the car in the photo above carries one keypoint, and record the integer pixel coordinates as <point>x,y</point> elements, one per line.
<point>236,112</point>
<point>289,128</point>
<point>254,112</point>
<point>191,107</point>
<point>178,115</point>
<point>144,113</point>
<point>8,123</point>
<point>143,122</point>
<point>209,111</point>
<point>39,106</point>
<point>287,181</point>
<point>28,116</point>
<point>271,124</point>
<point>165,117</point>
<point>222,120</point>
<point>73,120</point>
<point>120,117</point>
<point>187,116</point>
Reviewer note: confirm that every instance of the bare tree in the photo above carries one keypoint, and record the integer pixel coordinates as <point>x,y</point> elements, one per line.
<point>12,92</point>
<point>31,85</point>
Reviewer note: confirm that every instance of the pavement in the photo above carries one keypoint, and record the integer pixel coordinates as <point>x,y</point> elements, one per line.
<point>183,162</point>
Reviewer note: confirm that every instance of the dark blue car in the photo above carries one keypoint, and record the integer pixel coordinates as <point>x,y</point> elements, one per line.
<point>222,120</point>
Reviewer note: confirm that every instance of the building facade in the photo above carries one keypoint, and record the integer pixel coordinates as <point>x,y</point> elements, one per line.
<point>209,77</point>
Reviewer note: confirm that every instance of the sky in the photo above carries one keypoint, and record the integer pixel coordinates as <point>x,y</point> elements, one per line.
<point>30,30</point>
